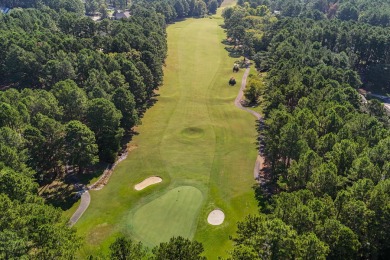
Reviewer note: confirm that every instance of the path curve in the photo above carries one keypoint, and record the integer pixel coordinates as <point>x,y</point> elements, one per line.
<point>85,200</point>
<point>237,102</point>
<point>98,185</point>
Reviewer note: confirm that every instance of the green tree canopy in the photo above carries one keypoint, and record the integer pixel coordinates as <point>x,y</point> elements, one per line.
<point>80,145</point>
<point>125,249</point>
<point>104,120</point>
<point>179,248</point>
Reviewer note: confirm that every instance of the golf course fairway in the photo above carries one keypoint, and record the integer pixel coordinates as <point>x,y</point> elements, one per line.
<point>196,140</point>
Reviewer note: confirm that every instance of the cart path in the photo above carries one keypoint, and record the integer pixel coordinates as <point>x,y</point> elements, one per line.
<point>98,185</point>
<point>237,102</point>
<point>85,200</point>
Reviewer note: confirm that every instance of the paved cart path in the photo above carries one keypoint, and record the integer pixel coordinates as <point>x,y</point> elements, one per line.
<point>260,159</point>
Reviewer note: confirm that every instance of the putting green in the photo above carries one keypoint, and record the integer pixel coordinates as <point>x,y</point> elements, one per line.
<point>173,214</point>
<point>193,136</point>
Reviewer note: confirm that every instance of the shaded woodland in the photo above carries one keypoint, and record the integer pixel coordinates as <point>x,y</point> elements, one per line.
<point>327,194</point>
<point>72,90</point>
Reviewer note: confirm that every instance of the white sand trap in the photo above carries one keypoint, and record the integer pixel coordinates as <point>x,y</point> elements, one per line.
<point>216,217</point>
<point>147,182</point>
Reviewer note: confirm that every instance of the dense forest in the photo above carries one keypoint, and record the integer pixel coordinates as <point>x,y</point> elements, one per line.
<point>179,9</point>
<point>373,12</point>
<point>72,89</point>
<point>364,41</point>
<point>327,190</point>
<point>69,81</point>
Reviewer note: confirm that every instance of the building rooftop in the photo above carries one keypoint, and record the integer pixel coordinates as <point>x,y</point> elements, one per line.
<point>121,14</point>
<point>4,10</point>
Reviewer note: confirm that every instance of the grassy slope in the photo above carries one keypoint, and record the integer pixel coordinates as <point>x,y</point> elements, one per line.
<point>193,136</point>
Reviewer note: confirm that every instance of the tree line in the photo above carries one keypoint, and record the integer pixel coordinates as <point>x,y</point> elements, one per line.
<point>179,9</point>
<point>365,11</point>
<point>364,44</point>
<point>124,248</point>
<point>73,73</point>
<point>71,89</point>
<point>76,6</point>
<point>326,151</point>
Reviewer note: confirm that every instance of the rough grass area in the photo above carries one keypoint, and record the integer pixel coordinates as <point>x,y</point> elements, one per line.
<point>193,136</point>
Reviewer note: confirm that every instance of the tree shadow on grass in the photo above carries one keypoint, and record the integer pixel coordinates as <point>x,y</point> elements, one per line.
<point>153,100</point>
<point>129,134</point>
<point>260,143</point>
<point>264,189</point>
<point>60,195</point>
<point>232,48</point>
<point>127,139</point>
<point>87,177</point>
<point>261,196</point>
<point>64,193</point>
<point>149,103</point>
<point>226,42</point>
<point>266,186</point>
<point>233,52</point>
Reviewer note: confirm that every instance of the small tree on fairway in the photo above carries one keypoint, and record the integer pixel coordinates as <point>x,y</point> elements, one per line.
<point>232,81</point>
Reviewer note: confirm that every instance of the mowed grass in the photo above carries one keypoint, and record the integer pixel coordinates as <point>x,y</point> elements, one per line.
<point>194,137</point>
<point>178,208</point>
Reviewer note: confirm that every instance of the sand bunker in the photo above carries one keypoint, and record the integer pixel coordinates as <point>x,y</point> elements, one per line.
<point>216,217</point>
<point>147,182</point>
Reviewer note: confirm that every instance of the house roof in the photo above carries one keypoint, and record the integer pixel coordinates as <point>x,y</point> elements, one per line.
<point>120,14</point>
<point>4,10</point>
